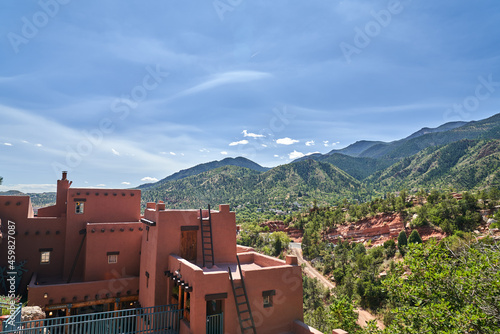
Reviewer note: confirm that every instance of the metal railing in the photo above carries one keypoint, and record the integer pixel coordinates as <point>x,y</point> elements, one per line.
<point>164,319</point>
<point>215,324</point>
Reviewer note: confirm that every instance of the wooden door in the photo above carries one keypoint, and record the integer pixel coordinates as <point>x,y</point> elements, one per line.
<point>188,245</point>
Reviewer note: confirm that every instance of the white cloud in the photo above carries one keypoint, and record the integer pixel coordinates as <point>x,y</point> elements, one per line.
<point>325,142</point>
<point>252,135</point>
<point>295,155</point>
<point>7,144</point>
<point>126,183</point>
<point>204,150</point>
<point>223,153</point>
<point>276,156</point>
<point>25,141</point>
<point>264,145</point>
<point>149,179</point>
<point>172,153</point>
<point>310,143</point>
<point>286,141</point>
<point>101,185</point>
<point>38,145</point>
<point>241,142</point>
<point>115,152</point>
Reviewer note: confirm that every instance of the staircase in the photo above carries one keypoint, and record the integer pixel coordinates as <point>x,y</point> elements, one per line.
<point>245,317</point>
<point>206,239</point>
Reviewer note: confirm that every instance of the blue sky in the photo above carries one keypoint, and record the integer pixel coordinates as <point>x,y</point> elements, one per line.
<point>122,93</point>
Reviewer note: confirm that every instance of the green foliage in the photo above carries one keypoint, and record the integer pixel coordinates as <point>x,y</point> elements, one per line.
<point>389,248</point>
<point>402,242</point>
<point>446,291</point>
<point>414,238</point>
<point>339,313</point>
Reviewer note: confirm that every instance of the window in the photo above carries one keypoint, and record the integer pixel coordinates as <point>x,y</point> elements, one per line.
<point>113,257</point>
<point>45,257</point>
<point>79,207</point>
<point>268,302</point>
<point>268,297</point>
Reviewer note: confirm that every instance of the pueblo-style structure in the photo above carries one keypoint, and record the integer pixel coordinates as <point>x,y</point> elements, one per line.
<point>93,251</point>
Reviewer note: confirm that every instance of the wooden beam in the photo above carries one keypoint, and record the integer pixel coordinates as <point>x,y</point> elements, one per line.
<point>92,302</point>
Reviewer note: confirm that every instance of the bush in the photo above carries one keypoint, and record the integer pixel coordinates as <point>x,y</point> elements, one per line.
<point>389,248</point>
<point>402,242</point>
<point>414,238</point>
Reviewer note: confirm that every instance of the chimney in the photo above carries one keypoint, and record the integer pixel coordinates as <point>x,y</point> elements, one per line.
<point>64,175</point>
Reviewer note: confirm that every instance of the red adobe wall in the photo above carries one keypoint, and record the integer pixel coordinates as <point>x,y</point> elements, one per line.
<point>79,292</point>
<point>287,303</point>
<point>102,238</point>
<point>32,234</point>
<point>155,252</point>
<point>100,205</point>
<point>59,209</point>
<point>286,280</point>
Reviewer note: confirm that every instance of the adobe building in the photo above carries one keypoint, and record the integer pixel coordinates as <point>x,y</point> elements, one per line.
<point>94,251</point>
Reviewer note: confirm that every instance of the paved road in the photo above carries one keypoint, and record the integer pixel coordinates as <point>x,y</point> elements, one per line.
<point>363,315</point>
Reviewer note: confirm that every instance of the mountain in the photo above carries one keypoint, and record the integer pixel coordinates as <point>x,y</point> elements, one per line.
<point>359,168</point>
<point>462,165</point>
<point>298,182</point>
<point>442,128</point>
<point>239,162</point>
<point>485,129</point>
<point>354,150</point>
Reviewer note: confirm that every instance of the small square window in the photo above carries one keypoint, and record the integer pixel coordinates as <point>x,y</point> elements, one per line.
<point>45,257</point>
<point>112,258</point>
<point>267,296</point>
<point>79,208</point>
<point>268,301</point>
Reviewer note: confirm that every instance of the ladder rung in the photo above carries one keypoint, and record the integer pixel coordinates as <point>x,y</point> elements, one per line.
<point>238,296</point>
<point>245,311</point>
<point>246,328</point>
<point>242,303</point>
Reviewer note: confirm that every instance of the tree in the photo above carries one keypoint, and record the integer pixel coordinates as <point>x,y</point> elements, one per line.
<point>402,242</point>
<point>447,290</point>
<point>414,238</point>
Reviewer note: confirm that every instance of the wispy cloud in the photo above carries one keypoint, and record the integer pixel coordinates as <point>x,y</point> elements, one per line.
<point>173,153</point>
<point>115,152</point>
<point>241,142</point>
<point>126,183</point>
<point>7,144</point>
<point>224,79</point>
<point>310,143</point>
<point>223,153</point>
<point>286,141</point>
<point>252,135</point>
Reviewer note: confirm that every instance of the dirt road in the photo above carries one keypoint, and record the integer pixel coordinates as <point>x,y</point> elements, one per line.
<point>363,315</point>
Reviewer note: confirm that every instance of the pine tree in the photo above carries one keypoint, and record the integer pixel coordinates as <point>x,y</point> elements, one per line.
<point>414,238</point>
<point>402,242</point>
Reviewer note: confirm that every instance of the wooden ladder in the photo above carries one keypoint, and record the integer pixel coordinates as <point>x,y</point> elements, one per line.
<point>206,238</point>
<point>245,317</point>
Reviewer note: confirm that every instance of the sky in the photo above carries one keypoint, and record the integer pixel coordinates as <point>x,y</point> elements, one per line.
<point>123,93</point>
